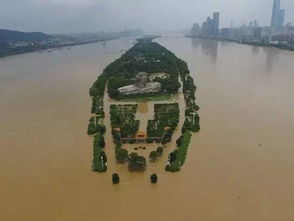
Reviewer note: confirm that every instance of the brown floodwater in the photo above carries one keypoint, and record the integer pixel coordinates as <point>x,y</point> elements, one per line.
<point>239,166</point>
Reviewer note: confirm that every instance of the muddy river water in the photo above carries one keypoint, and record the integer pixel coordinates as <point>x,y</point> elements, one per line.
<point>240,166</point>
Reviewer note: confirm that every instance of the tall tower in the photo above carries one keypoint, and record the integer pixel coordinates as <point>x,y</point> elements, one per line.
<point>215,23</point>
<point>276,14</point>
<point>281,18</point>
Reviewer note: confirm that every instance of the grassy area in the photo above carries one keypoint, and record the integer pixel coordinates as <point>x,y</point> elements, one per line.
<point>182,149</point>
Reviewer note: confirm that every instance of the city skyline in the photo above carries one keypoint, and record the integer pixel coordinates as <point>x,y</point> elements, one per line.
<point>65,16</point>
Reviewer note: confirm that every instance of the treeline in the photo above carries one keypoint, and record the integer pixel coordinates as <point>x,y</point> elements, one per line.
<point>191,123</point>
<point>178,156</point>
<point>97,128</point>
<point>99,157</point>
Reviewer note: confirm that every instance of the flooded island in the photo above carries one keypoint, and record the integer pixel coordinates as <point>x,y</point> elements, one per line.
<point>147,71</point>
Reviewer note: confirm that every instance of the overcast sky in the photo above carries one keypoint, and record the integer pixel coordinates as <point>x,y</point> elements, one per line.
<point>65,16</point>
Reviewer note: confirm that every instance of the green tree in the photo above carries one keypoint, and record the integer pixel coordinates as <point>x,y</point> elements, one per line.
<point>115,178</point>
<point>153,156</point>
<point>121,155</point>
<point>153,178</point>
<point>136,162</point>
<point>159,151</point>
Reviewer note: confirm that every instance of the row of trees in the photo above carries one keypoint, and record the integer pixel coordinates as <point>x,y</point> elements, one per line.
<point>99,157</point>
<point>178,156</point>
<point>191,123</point>
<point>97,106</point>
<point>95,127</point>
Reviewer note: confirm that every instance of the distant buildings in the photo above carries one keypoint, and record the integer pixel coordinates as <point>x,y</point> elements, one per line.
<point>195,31</point>
<point>209,28</point>
<point>275,34</point>
<point>278,16</point>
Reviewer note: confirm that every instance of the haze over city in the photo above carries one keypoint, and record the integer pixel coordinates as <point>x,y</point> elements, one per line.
<point>68,16</point>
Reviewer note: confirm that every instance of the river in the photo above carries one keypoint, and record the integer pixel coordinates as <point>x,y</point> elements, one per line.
<point>239,166</point>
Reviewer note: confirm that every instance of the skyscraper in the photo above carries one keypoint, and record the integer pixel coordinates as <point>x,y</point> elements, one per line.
<point>281,18</point>
<point>275,14</point>
<point>278,16</point>
<point>210,26</point>
<point>216,23</point>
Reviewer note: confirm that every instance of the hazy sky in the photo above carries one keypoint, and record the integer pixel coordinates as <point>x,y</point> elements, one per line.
<point>63,16</point>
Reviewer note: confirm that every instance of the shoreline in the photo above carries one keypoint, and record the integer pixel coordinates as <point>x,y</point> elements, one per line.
<point>259,44</point>
<point>58,47</point>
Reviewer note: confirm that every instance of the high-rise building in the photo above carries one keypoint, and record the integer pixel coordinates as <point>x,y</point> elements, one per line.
<point>275,14</point>
<point>278,16</point>
<point>195,30</point>
<point>282,18</point>
<point>216,23</point>
<point>211,26</point>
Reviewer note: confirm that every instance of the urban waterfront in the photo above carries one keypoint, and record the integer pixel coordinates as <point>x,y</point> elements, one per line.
<point>239,165</point>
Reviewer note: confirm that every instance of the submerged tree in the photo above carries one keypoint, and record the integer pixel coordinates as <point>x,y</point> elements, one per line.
<point>115,178</point>
<point>153,156</point>
<point>153,178</point>
<point>136,162</point>
<point>159,151</point>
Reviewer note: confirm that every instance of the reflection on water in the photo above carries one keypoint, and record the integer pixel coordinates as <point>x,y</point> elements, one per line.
<point>272,56</point>
<point>210,48</point>
<point>255,50</point>
<point>195,43</point>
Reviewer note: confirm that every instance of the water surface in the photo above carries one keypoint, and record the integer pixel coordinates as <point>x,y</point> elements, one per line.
<point>239,167</point>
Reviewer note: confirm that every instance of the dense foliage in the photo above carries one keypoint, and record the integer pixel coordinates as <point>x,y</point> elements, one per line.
<point>144,56</point>
<point>136,162</point>
<point>95,125</point>
<point>99,156</point>
<point>178,157</point>
<point>153,156</point>
<point>121,155</point>
<point>123,117</point>
<point>166,119</point>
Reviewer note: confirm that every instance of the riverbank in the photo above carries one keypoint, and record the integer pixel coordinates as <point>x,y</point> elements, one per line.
<point>5,52</point>
<point>260,44</point>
